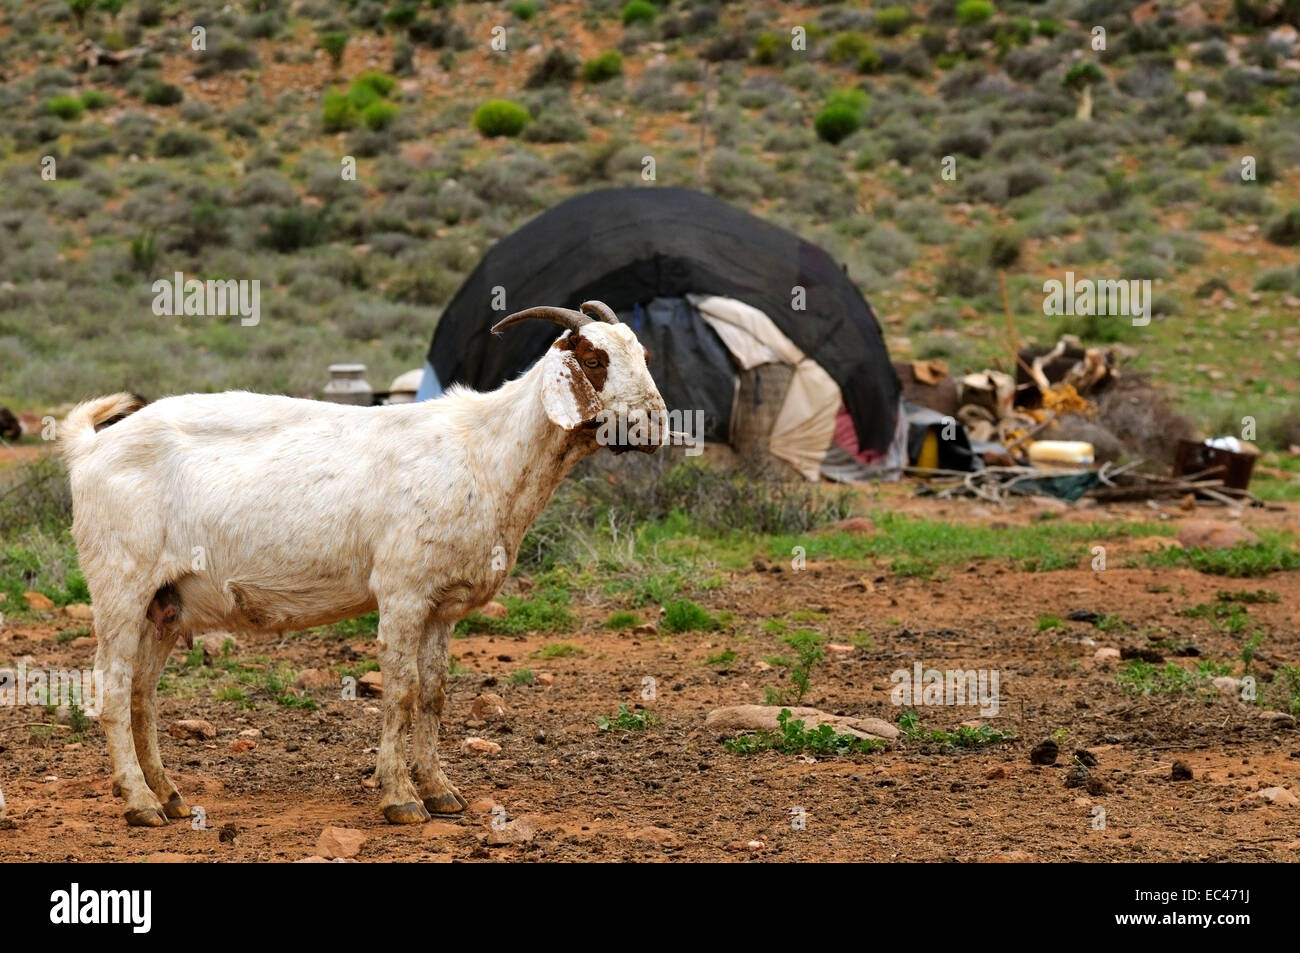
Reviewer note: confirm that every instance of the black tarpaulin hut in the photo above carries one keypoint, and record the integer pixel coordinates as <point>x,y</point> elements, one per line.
<point>732,307</point>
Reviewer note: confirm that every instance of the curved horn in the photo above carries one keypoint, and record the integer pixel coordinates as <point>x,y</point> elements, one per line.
<point>573,320</point>
<point>598,309</point>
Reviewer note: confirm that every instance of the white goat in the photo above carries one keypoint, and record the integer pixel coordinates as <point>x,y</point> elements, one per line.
<point>247,512</point>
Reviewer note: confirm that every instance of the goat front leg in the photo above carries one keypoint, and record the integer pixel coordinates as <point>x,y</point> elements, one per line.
<point>151,659</point>
<point>439,795</point>
<point>399,636</point>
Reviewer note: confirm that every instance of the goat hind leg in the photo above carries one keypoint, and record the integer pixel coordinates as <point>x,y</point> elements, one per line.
<point>120,633</point>
<point>438,794</point>
<point>151,659</point>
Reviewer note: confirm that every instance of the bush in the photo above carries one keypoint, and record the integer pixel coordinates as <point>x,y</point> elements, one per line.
<point>174,143</point>
<point>846,48</point>
<point>1285,230</point>
<point>603,67</point>
<point>380,84</point>
<point>65,107</point>
<point>159,93</point>
<point>337,112</point>
<point>558,66</point>
<point>93,99</point>
<point>500,117</point>
<point>892,21</point>
<point>768,49</point>
<point>1211,129</point>
<point>291,229</point>
<point>683,615</point>
<point>524,10</point>
<point>378,116</point>
<point>639,11</point>
<point>974,12</point>
<point>836,123</point>
<point>334,43</point>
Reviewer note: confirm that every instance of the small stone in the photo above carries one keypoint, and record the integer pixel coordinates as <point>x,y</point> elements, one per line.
<point>1180,772</point>
<point>1045,752</point>
<point>646,628</point>
<point>545,679</point>
<point>38,600</point>
<point>494,610</point>
<point>253,733</point>
<point>518,831</point>
<point>1211,534</point>
<point>482,805</point>
<point>1277,795</point>
<point>479,746</point>
<point>79,611</point>
<point>997,773</point>
<point>487,707</point>
<point>337,842</point>
<point>371,683</point>
<point>856,524</point>
<point>192,728</point>
<point>1227,685</point>
<point>242,745</point>
<point>1106,654</point>
<point>314,679</point>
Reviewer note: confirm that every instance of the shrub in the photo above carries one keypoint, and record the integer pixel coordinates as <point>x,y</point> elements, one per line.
<point>603,67</point>
<point>768,49</point>
<point>337,112</point>
<point>974,12</point>
<point>380,83</point>
<point>1211,129</point>
<point>65,107</point>
<point>294,228</point>
<point>93,99</point>
<point>892,21</point>
<point>379,115</point>
<point>846,47</point>
<point>159,93</point>
<point>558,66</point>
<point>869,60</point>
<point>683,615</point>
<point>181,142</point>
<point>334,43</point>
<point>500,117</point>
<point>524,10</point>
<point>836,123</point>
<point>1285,230</point>
<point>639,11</point>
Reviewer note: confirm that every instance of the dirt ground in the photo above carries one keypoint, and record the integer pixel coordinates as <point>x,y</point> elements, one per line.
<point>673,791</point>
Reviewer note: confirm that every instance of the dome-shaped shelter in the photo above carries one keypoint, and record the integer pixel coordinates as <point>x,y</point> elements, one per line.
<point>745,320</point>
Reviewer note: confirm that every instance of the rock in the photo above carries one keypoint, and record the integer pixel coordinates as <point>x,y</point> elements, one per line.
<point>192,728</point>
<point>79,611</point>
<point>838,648</point>
<point>314,679</point>
<point>1106,655</point>
<point>340,842</point>
<point>654,835</point>
<point>1145,654</point>
<point>545,679</point>
<point>479,746</point>
<point>997,773</point>
<point>313,859</point>
<point>1277,795</point>
<point>1211,534</point>
<point>1084,615</point>
<point>214,644</point>
<point>1279,719</point>
<point>253,733</point>
<point>764,718</point>
<point>242,745</point>
<point>1227,685</point>
<point>744,845</point>
<point>646,628</point>
<point>1180,772</point>
<point>856,524</point>
<point>1045,752</point>
<point>518,831</point>
<point>494,610</point>
<point>487,708</point>
<point>371,683</point>
<point>482,805</point>
<point>38,600</point>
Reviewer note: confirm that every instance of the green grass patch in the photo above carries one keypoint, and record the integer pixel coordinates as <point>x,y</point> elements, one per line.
<point>793,737</point>
<point>964,736</point>
<point>627,720</point>
<point>683,615</point>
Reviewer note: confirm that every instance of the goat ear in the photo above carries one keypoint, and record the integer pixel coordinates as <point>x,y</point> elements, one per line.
<point>567,395</point>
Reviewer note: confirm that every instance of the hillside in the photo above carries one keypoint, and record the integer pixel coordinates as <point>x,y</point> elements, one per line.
<point>226,162</point>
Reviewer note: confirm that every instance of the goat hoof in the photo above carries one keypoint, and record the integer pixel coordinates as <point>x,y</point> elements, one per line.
<point>448,802</point>
<point>145,817</point>
<point>412,812</point>
<point>176,807</point>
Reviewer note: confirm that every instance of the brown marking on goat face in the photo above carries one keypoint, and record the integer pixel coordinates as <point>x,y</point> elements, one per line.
<point>593,361</point>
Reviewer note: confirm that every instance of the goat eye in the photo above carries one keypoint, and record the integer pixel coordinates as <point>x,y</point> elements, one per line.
<point>592,362</point>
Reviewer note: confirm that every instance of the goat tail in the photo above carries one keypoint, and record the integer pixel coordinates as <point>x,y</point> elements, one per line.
<point>77,433</point>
